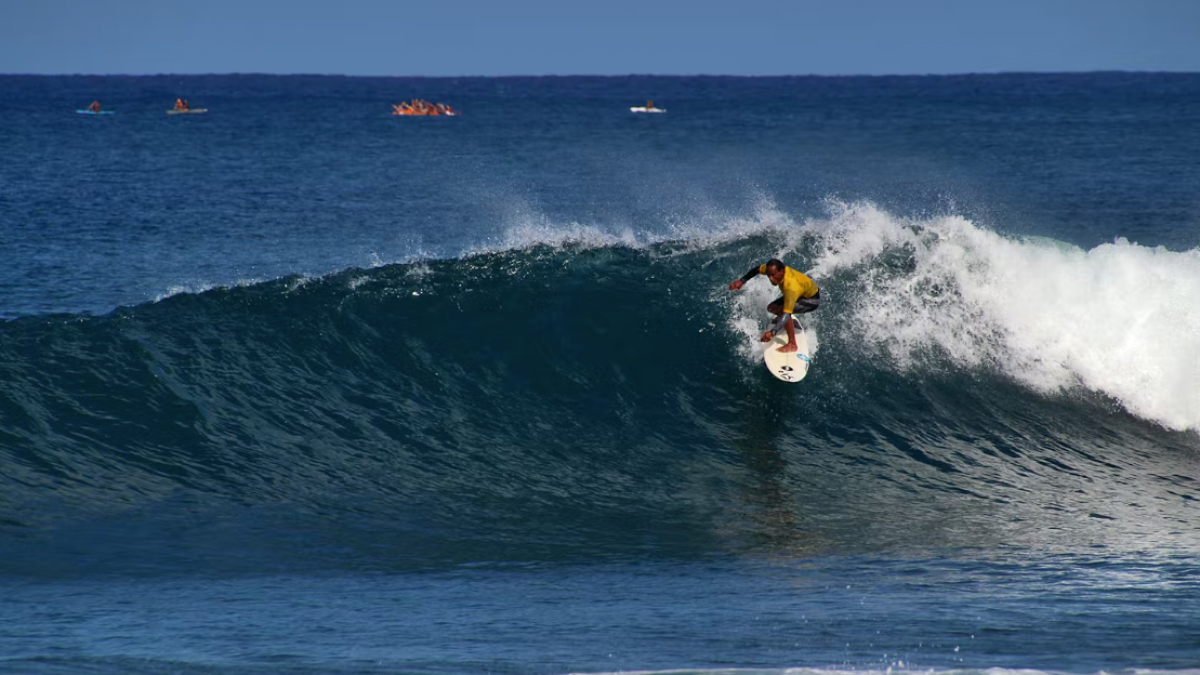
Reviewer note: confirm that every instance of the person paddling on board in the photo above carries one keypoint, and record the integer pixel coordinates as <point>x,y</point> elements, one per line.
<point>94,107</point>
<point>800,296</point>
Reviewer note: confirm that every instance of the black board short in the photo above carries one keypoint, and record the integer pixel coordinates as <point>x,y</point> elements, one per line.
<point>803,305</point>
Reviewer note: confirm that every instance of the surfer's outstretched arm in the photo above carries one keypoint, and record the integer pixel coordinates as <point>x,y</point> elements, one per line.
<point>736,285</point>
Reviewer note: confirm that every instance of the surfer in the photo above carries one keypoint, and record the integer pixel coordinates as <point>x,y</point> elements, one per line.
<point>800,296</point>
<point>94,107</point>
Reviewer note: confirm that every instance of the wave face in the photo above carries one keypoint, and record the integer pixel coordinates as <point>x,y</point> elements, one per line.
<point>593,395</point>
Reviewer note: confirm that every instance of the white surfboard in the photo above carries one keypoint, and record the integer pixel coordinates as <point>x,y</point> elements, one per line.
<point>790,367</point>
<point>643,109</point>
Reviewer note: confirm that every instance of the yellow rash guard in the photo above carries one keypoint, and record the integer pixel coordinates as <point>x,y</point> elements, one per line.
<point>795,285</point>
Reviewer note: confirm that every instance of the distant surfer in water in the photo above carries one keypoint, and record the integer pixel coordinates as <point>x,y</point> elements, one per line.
<point>800,296</point>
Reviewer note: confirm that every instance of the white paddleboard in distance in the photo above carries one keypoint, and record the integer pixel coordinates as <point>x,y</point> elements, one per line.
<point>792,366</point>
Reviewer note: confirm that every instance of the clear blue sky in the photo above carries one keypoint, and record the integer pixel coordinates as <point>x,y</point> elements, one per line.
<point>603,37</point>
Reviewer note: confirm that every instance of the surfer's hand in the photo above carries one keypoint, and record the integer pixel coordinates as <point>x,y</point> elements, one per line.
<point>766,337</point>
<point>736,285</point>
<point>788,348</point>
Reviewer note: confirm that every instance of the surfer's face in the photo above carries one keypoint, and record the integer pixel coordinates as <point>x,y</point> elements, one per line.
<point>775,275</point>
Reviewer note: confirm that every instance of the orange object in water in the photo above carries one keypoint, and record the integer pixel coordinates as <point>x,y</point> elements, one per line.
<point>421,108</point>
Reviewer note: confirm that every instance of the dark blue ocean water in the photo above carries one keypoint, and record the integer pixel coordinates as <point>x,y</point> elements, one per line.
<point>297,386</point>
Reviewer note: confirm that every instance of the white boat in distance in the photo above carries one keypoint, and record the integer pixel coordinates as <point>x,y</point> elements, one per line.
<point>648,108</point>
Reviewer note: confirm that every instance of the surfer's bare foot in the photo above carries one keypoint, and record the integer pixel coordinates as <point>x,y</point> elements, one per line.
<point>788,348</point>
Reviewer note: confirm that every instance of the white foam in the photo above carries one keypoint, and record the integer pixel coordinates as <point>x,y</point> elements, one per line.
<point>198,288</point>
<point>523,227</point>
<point>1119,319</point>
<point>699,226</point>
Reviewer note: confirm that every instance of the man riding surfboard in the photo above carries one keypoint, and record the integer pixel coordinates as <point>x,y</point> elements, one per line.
<point>800,296</point>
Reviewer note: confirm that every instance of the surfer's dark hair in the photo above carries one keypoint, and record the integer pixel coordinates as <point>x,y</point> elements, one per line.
<point>776,263</point>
